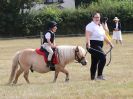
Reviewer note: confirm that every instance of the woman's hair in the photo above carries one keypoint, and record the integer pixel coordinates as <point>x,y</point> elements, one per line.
<point>95,13</point>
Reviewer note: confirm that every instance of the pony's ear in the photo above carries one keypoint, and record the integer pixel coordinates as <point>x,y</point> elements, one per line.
<point>77,49</point>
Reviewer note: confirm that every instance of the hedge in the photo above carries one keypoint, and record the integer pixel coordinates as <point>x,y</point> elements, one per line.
<point>70,21</point>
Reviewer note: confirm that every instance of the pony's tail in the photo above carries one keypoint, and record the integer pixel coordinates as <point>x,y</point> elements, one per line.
<point>14,67</point>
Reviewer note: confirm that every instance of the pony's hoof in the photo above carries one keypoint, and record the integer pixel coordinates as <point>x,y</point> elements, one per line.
<point>28,82</point>
<point>14,82</point>
<point>54,81</point>
<point>67,80</point>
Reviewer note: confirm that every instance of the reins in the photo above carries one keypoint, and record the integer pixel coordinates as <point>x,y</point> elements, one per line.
<point>110,55</point>
<point>77,57</point>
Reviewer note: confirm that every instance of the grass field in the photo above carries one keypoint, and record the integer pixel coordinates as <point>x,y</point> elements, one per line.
<point>119,75</point>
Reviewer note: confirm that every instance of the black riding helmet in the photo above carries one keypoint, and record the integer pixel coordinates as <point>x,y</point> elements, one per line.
<point>52,24</point>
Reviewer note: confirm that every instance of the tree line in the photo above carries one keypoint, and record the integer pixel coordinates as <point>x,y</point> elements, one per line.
<point>16,23</point>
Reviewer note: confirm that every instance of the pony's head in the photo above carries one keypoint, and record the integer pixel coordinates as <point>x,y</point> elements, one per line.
<point>80,54</point>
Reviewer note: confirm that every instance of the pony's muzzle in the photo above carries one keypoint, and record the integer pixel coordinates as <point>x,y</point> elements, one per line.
<point>84,62</point>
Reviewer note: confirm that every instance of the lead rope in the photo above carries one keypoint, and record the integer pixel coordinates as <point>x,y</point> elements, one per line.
<point>110,57</point>
<point>85,53</point>
<point>105,54</point>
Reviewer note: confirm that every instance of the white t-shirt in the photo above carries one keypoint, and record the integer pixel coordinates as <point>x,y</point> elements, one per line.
<point>97,32</point>
<point>116,25</point>
<point>47,35</point>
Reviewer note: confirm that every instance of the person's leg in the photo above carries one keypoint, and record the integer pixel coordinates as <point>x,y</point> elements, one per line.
<point>114,37</point>
<point>116,41</point>
<point>50,51</point>
<point>94,61</point>
<point>120,37</point>
<point>49,63</point>
<point>93,68</point>
<point>120,42</point>
<point>102,62</point>
<point>101,65</point>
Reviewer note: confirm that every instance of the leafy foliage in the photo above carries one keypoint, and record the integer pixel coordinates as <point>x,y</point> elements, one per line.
<point>14,23</point>
<point>11,19</point>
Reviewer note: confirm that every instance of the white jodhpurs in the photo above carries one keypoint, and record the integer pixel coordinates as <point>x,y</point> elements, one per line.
<point>49,49</point>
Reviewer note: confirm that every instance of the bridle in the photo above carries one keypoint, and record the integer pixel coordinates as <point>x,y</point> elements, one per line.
<point>77,58</point>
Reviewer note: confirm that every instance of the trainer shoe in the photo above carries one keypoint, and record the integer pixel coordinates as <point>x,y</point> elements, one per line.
<point>100,78</point>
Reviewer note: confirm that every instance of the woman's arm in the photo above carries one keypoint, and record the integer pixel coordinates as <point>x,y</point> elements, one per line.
<point>108,41</point>
<point>87,34</point>
<point>105,27</point>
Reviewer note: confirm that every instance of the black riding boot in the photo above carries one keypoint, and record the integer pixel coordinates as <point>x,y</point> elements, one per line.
<point>50,65</point>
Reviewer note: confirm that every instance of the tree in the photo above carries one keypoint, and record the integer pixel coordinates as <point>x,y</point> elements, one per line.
<point>10,15</point>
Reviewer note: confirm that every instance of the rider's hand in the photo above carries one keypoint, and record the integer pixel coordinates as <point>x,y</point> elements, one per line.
<point>53,46</point>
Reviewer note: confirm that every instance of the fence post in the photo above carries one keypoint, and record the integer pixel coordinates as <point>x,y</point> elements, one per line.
<point>41,37</point>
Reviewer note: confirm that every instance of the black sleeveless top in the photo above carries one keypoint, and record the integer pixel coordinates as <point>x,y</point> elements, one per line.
<point>51,39</point>
<point>119,25</point>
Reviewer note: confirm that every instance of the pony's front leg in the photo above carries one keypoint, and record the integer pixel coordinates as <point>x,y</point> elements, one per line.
<point>63,70</point>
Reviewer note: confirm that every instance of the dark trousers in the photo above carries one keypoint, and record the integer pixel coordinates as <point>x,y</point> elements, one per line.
<point>98,59</point>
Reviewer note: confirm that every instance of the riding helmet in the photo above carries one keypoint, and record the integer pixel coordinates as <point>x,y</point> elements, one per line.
<point>52,24</point>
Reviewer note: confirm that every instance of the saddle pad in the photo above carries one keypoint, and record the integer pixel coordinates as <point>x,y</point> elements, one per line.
<point>54,58</point>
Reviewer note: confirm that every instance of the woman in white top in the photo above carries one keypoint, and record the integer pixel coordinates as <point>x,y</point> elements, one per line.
<point>95,35</point>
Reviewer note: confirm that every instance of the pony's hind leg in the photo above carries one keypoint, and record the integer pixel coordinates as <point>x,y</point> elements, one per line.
<point>26,73</point>
<point>19,72</point>
<point>63,70</point>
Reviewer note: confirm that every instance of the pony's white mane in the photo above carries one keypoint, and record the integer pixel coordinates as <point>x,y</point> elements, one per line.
<point>67,53</point>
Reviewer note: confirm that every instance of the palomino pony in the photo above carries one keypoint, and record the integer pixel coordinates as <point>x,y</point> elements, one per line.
<point>28,57</point>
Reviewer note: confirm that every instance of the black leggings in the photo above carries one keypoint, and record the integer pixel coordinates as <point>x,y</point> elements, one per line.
<point>98,59</point>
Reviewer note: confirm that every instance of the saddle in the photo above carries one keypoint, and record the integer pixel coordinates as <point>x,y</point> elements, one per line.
<point>44,53</point>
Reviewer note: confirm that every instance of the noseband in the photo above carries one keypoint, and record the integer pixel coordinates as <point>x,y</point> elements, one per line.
<point>77,58</point>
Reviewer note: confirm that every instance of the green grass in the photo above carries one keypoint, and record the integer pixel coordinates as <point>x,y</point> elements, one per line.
<point>119,83</point>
